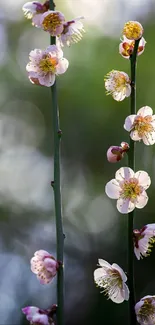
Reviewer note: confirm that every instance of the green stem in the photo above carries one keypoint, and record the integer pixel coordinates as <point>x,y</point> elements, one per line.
<point>131,163</point>
<point>57,198</point>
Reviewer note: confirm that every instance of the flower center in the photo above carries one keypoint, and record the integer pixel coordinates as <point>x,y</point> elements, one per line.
<point>120,82</point>
<point>128,48</point>
<point>51,22</point>
<point>48,64</point>
<point>147,312</point>
<point>143,125</point>
<point>111,282</point>
<point>132,30</point>
<point>130,189</point>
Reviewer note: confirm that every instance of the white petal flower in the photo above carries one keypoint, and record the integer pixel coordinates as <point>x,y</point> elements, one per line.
<point>143,240</point>
<point>117,83</point>
<point>34,10</point>
<point>145,310</point>
<point>126,47</point>
<point>112,279</point>
<point>72,32</point>
<point>142,125</point>
<point>45,64</point>
<point>129,189</point>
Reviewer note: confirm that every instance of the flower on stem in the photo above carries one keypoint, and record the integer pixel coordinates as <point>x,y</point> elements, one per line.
<point>117,84</point>
<point>72,32</point>
<point>142,125</point>
<point>37,316</point>
<point>143,240</point>
<point>145,310</point>
<point>133,30</point>
<point>53,22</point>
<point>126,47</point>
<point>45,64</point>
<point>112,279</point>
<point>34,10</point>
<point>129,189</point>
<point>44,266</point>
<point>116,153</point>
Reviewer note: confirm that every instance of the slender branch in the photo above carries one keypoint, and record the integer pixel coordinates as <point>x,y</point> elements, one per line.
<point>57,197</point>
<point>131,163</point>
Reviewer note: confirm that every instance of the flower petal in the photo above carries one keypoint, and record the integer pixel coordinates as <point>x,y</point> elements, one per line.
<point>144,111</point>
<point>62,66</point>
<point>36,20</point>
<point>125,206</point>
<point>129,122</point>
<point>135,136</point>
<point>149,138</point>
<point>104,263</point>
<point>117,296</point>
<point>112,189</point>
<point>121,272</point>
<point>143,178</point>
<point>47,80</point>
<point>124,173</point>
<point>126,292</point>
<point>99,274</point>
<point>141,200</point>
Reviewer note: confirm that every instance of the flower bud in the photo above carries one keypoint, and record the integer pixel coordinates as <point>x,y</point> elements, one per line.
<point>116,153</point>
<point>133,30</point>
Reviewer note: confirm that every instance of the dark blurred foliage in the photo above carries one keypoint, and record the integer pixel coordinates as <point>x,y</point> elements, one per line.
<point>90,122</point>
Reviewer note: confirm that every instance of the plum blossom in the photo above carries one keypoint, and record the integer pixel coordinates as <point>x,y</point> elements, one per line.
<point>126,47</point>
<point>53,22</point>
<point>133,30</point>
<point>112,279</point>
<point>72,32</point>
<point>117,84</point>
<point>116,153</point>
<point>128,188</point>
<point>34,10</point>
<point>142,125</point>
<point>143,240</point>
<point>37,316</point>
<point>44,266</point>
<point>45,64</point>
<point>145,310</point>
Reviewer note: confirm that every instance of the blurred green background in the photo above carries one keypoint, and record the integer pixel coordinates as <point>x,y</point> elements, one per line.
<point>91,122</point>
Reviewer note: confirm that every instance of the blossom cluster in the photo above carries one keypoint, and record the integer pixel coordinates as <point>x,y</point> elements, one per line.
<point>43,67</point>
<point>129,187</point>
<point>45,64</point>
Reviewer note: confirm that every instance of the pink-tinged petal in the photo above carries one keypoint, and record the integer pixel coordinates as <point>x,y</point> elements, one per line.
<point>44,278</point>
<point>125,206</point>
<point>128,90</point>
<point>137,253</point>
<point>121,272</point>
<point>112,189</point>
<point>36,55</point>
<point>135,136</point>
<point>139,305</point>
<point>41,319</point>
<point>104,263</point>
<point>30,67</point>
<point>62,66</point>
<point>129,122</point>
<point>119,96</point>
<point>149,230</point>
<point>41,254</point>
<point>47,80</point>
<point>98,274</point>
<point>144,111</point>
<point>149,138</point>
<point>36,20</point>
<point>51,265</point>
<point>121,50</point>
<point>30,311</point>
<point>141,200</point>
<point>126,292</point>
<point>55,50</point>
<point>124,173</point>
<point>143,178</point>
<point>117,297</point>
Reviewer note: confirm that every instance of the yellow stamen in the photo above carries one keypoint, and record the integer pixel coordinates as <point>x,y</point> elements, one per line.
<point>133,30</point>
<point>48,64</point>
<point>147,311</point>
<point>130,189</point>
<point>51,22</point>
<point>143,125</point>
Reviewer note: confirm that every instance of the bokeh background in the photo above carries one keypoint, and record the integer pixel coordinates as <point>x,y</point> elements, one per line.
<point>91,122</point>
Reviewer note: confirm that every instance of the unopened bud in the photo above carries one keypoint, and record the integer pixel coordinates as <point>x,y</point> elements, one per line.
<point>116,153</point>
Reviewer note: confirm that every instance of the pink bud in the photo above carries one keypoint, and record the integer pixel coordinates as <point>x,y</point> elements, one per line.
<point>116,153</point>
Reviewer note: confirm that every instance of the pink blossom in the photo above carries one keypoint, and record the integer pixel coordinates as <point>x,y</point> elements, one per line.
<point>45,64</point>
<point>129,189</point>
<point>37,316</point>
<point>145,310</point>
<point>34,10</point>
<point>143,240</point>
<point>44,266</point>
<point>53,22</point>
<point>116,153</point>
<point>126,47</point>
<point>72,32</point>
